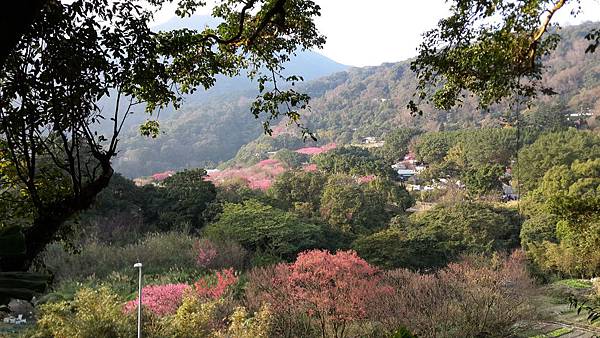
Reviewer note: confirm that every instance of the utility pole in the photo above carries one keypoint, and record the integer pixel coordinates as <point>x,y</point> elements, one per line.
<point>139,319</point>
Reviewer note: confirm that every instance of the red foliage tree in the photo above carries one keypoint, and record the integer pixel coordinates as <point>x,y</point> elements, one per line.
<point>162,300</point>
<point>333,288</point>
<point>214,289</point>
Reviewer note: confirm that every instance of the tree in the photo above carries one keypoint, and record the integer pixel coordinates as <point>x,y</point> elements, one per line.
<point>290,159</point>
<point>14,22</point>
<point>554,149</point>
<point>294,187</point>
<point>186,196</point>
<point>260,227</point>
<point>396,196</point>
<point>549,118</point>
<point>483,179</point>
<point>394,247</point>
<point>335,289</point>
<point>441,235</point>
<point>352,207</point>
<point>56,158</point>
<point>433,147</point>
<point>563,232</point>
<point>493,50</point>
<point>352,161</point>
<point>395,144</point>
<point>478,157</point>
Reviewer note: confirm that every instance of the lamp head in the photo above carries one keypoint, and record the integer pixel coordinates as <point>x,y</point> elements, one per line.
<point>137,265</point>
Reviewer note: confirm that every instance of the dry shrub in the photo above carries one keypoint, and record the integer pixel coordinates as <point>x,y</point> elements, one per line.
<point>217,255</point>
<point>473,298</point>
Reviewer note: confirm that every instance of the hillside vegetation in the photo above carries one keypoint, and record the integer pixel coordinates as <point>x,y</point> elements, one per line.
<point>348,106</point>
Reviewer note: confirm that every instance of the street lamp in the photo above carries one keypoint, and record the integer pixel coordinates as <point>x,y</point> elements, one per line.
<point>139,323</point>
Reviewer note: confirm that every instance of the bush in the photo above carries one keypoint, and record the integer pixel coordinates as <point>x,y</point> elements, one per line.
<point>563,232</point>
<point>161,300</point>
<point>158,252</point>
<point>93,313</point>
<point>243,326</point>
<point>441,235</point>
<point>216,255</point>
<point>473,298</point>
<point>215,288</point>
<point>169,311</point>
<point>194,318</point>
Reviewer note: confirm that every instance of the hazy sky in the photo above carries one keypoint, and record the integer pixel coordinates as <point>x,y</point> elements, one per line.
<point>370,32</point>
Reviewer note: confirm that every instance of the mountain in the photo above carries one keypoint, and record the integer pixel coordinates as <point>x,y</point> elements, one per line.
<point>212,124</point>
<point>309,64</point>
<point>347,107</point>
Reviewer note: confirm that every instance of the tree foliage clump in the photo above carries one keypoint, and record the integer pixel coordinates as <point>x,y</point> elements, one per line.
<point>263,228</point>
<point>477,157</point>
<point>353,161</point>
<point>58,139</point>
<point>396,144</point>
<point>335,289</point>
<point>493,50</point>
<point>299,187</point>
<point>563,232</point>
<point>357,208</point>
<point>560,148</point>
<point>441,235</point>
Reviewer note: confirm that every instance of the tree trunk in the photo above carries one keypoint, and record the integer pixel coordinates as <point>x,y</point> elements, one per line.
<point>49,220</point>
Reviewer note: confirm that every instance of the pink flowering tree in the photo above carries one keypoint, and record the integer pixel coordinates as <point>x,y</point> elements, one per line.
<point>334,288</point>
<point>162,300</point>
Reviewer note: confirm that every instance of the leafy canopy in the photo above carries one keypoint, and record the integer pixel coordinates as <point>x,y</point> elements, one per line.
<point>263,228</point>
<point>492,49</point>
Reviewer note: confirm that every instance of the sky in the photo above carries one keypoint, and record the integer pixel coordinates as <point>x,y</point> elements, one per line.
<point>370,32</point>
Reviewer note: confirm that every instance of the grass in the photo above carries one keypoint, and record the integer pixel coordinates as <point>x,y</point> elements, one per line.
<point>555,333</point>
<point>11,330</point>
<point>575,283</point>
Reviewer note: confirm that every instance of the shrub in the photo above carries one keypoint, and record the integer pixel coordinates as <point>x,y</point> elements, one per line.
<point>158,252</point>
<point>241,326</point>
<point>161,300</point>
<point>473,298</point>
<point>334,289</point>
<point>206,252</point>
<point>433,238</point>
<point>93,313</point>
<point>217,255</point>
<point>563,232</point>
<point>214,289</point>
<point>194,318</point>
<point>260,227</point>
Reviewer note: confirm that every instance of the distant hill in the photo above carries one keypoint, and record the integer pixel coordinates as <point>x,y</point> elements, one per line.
<point>370,101</point>
<point>212,124</point>
<point>310,65</point>
<point>346,107</point>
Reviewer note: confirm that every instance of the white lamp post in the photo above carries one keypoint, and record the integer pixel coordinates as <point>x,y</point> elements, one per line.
<point>139,323</point>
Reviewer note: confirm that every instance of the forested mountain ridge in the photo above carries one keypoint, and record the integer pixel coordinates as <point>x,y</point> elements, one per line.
<point>370,101</point>
<point>350,105</point>
<point>212,124</point>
